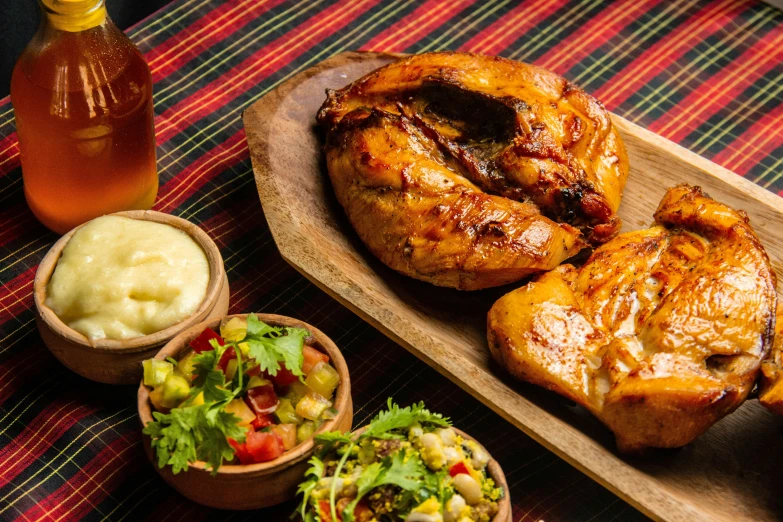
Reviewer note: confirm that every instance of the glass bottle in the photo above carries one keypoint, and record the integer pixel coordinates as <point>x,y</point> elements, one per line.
<point>82,97</point>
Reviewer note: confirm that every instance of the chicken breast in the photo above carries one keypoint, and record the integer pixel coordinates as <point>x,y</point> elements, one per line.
<point>771,380</point>
<point>472,171</point>
<point>660,334</point>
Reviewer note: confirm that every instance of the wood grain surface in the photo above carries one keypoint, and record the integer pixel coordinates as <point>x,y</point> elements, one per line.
<point>733,472</point>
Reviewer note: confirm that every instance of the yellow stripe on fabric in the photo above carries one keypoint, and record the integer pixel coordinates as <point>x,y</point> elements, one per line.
<point>710,55</point>
<point>173,22</point>
<point>509,25</point>
<point>269,58</point>
<point>91,481</point>
<point>36,436</point>
<point>108,516</point>
<point>775,167</point>
<point>727,81</point>
<point>668,46</point>
<point>6,308</point>
<point>278,55</point>
<point>738,115</point>
<point>648,30</point>
<point>554,29</point>
<point>28,401</point>
<point>187,81</point>
<point>466,28</point>
<point>22,326</point>
<point>318,57</point>
<point>562,54</point>
<point>224,20</point>
<point>64,451</point>
<point>27,254</point>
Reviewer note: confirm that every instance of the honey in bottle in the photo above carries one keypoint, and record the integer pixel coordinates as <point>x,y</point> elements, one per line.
<point>82,98</point>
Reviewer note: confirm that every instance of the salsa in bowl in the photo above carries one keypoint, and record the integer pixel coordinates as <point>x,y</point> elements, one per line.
<point>229,417</point>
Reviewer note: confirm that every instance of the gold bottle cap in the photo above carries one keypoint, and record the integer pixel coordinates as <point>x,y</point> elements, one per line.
<point>74,15</point>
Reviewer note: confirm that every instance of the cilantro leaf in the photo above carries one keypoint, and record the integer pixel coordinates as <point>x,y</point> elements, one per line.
<point>313,474</point>
<point>194,433</point>
<point>396,418</point>
<point>270,346</point>
<point>402,469</point>
<point>173,438</point>
<point>214,446</point>
<point>258,328</point>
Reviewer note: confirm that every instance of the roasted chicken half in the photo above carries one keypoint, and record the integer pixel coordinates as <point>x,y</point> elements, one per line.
<point>472,171</point>
<point>771,380</point>
<point>660,334</point>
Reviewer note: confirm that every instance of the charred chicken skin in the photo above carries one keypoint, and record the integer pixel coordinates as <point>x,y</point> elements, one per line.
<point>471,171</point>
<point>660,334</point>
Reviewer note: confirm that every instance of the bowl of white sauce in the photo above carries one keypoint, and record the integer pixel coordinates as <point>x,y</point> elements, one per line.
<point>111,292</point>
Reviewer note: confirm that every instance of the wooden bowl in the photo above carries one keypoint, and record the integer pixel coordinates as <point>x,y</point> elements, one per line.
<point>119,361</point>
<point>494,471</point>
<point>249,486</point>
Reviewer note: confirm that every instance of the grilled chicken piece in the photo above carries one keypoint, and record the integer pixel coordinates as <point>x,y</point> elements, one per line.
<point>660,334</point>
<point>468,171</point>
<point>771,381</point>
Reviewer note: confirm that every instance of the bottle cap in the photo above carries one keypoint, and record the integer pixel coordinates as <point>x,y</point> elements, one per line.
<point>74,15</point>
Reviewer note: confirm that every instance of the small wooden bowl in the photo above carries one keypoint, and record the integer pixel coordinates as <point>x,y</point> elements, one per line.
<point>494,471</point>
<point>119,361</point>
<point>249,486</point>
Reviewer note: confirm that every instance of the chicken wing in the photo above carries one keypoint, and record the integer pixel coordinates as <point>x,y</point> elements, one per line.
<point>473,171</point>
<point>660,334</point>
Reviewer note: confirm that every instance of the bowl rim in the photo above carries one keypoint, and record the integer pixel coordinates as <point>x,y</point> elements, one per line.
<point>494,471</point>
<point>134,344</point>
<point>178,347</point>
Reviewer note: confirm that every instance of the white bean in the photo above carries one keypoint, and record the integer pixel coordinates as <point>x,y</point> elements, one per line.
<point>454,506</point>
<point>480,458</point>
<point>448,436</point>
<point>431,451</point>
<point>468,488</point>
<point>451,455</point>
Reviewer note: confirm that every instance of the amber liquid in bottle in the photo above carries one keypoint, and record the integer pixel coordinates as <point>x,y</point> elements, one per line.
<point>82,100</point>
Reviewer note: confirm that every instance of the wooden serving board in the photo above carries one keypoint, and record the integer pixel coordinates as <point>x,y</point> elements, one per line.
<point>733,472</point>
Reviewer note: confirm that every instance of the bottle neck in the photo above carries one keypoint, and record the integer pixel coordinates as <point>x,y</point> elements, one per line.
<point>74,15</point>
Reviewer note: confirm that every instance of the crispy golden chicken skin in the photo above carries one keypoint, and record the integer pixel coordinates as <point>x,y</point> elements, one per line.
<point>771,380</point>
<point>473,171</point>
<point>660,334</point>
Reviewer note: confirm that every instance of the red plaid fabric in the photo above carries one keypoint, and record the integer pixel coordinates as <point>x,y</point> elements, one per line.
<point>706,74</point>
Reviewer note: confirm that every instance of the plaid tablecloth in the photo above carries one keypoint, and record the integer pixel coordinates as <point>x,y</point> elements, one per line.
<point>705,74</point>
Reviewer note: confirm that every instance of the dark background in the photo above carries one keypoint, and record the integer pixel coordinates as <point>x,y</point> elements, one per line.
<point>20,20</point>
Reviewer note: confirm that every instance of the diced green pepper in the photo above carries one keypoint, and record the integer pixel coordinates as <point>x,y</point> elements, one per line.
<point>156,371</point>
<point>186,365</point>
<point>175,390</point>
<point>296,390</point>
<point>305,431</point>
<point>286,414</point>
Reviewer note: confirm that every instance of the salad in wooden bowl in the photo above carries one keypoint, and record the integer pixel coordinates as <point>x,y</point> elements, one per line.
<point>408,464</point>
<point>229,417</point>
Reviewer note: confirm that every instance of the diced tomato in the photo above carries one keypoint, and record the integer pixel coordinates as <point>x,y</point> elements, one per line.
<point>262,421</point>
<point>283,378</point>
<point>311,358</point>
<point>201,343</point>
<point>255,370</point>
<point>241,452</point>
<point>264,445</point>
<point>362,512</point>
<point>262,399</point>
<point>458,468</point>
<point>229,354</point>
<point>326,512</point>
